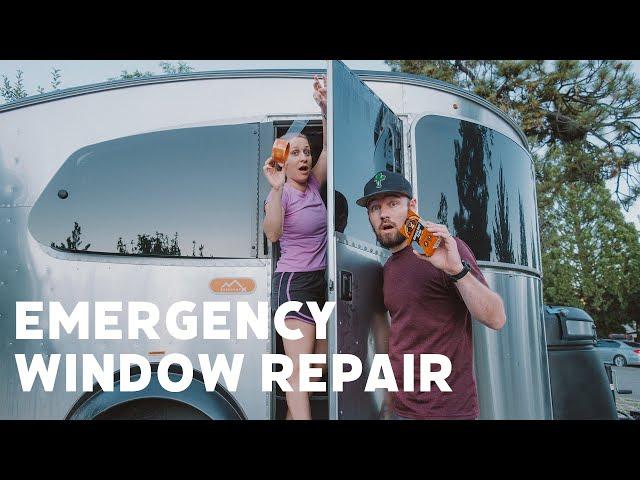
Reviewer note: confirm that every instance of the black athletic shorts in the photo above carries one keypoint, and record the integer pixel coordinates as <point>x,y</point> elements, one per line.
<point>299,287</point>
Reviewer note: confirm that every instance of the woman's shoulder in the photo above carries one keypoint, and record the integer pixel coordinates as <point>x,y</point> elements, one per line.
<point>313,182</point>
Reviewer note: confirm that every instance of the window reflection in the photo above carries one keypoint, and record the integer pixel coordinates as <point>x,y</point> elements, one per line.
<point>183,193</point>
<point>367,138</point>
<point>470,147</point>
<point>501,228</point>
<point>73,242</point>
<point>471,178</point>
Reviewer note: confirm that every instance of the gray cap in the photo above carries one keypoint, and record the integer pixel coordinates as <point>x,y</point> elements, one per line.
<point>385,182</point>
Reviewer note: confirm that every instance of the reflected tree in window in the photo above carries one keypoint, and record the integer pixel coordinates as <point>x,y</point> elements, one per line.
<point>159,244</point>
<point>524,251</point>
<point>129,194</point>
<point>443,211</point>
<point>200,249</point>
<point>501,230</point>
<point>147,244</point>
<point>73,242</point>
<point>473,195</point>
<point>387,141</point>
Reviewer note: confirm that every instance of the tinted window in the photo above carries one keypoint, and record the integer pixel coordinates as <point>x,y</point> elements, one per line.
<point>633,344</point>
<point>367,137</point>
<point>481,185</point>
<point>186,192</point>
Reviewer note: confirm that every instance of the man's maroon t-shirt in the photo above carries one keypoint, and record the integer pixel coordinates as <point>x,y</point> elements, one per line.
<point>428,315</point>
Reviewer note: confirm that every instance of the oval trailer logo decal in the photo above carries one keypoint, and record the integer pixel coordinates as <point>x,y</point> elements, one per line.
<point>232,285</point>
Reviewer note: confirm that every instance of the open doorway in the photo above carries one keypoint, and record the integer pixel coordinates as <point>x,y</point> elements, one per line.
<point>318,400</point>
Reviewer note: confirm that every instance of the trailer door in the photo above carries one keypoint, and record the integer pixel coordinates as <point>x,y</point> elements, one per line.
<point>364,137</point>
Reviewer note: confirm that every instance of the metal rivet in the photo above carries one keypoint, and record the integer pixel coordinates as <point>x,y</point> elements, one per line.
<point>455,106</point>
<point>63,194</point>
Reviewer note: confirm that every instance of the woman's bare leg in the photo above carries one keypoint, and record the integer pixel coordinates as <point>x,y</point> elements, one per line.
<point>320,347</point>
<point>298,407</point>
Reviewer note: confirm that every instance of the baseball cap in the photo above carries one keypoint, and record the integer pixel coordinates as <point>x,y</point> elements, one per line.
<point>385,182</point>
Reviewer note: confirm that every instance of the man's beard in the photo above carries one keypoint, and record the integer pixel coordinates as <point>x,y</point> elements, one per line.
<point>393,242</point>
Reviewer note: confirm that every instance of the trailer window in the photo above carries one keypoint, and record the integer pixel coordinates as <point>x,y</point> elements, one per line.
<point>480,184</point>
<point>367,138</point>
<point>188,192</point>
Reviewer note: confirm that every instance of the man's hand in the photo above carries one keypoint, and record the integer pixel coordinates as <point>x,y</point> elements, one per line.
<point>484,305</point>
<point>446,257</point>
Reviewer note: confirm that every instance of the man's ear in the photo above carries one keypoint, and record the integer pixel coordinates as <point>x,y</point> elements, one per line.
<point>413,204</point>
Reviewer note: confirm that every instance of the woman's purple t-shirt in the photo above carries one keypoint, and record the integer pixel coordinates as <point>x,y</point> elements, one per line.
<point>303,244</point>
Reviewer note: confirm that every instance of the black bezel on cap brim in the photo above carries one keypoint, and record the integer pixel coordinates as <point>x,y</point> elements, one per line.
<point>364,201</point>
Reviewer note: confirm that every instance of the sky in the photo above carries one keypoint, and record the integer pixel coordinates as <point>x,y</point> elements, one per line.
<point>83,72</point>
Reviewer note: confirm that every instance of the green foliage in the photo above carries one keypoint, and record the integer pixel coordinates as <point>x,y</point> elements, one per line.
<point>580,120</point>
<point>15,91</point>
<point>587,107</point>
<point>12,92</point>
<point>171,69</point>
<point>55,79</point>
<point>167,68</point>
<point>592,256</point>
<point>127,75</point>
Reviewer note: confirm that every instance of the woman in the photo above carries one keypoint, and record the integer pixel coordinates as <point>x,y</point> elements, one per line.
<point>296,216</point>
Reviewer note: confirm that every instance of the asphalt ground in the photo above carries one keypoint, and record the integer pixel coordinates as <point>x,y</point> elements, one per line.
<point>628,378</point>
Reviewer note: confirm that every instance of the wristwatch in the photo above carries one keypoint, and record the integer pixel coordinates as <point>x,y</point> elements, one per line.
<point>465,269</point>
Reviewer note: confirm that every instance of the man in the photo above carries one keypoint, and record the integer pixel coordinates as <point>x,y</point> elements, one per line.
<point>431,301</point>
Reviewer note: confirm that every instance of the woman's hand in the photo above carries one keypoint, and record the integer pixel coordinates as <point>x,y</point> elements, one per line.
<point>320,92</point>
<point>275,177</point>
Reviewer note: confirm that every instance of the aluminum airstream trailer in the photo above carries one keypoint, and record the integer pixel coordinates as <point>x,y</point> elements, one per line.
<point>151,190</point>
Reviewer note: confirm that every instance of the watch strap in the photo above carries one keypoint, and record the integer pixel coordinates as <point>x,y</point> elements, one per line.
<point>465,269</point>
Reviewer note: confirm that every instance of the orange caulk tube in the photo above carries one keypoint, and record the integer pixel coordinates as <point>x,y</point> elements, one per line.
<point>414,230</point>
<point>280,150</point>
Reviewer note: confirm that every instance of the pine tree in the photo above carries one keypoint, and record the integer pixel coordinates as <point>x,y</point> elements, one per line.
<point>594,257</point>
<point>589,108</point>
<point>580,121</point>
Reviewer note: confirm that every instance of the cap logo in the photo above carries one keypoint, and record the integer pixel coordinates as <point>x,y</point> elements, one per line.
<point>379,178</point>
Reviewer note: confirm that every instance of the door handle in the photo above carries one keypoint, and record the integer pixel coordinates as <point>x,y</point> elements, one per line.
<point>346,286</point>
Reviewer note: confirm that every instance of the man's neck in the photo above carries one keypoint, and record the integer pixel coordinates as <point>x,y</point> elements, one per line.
<point>402,246</point>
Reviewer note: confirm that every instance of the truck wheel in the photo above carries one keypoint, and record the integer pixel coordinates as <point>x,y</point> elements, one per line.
<point>619,361</point>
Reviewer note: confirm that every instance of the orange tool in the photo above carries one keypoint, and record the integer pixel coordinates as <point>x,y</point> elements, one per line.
<point>414,230</point>
<point>280,150</point>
